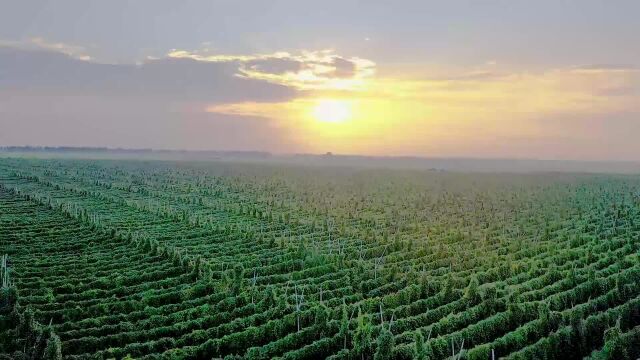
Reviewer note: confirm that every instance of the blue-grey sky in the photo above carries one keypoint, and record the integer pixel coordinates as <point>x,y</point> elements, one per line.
<point>556,32</point>
<point>546,79</point>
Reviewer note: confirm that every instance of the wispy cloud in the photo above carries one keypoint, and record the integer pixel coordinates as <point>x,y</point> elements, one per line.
<point>39,43</point>
<point>46,73</point>
<point>604,69</point>
<point>305,70</point>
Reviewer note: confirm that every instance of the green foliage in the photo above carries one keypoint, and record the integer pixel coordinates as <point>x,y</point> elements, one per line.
<point>471,292</point>
<point>384,345</point>
<point>236,260</point>
<point>419,352</point>
<point>344,325</point>
<point>362,338</point>
<point>53,351</point>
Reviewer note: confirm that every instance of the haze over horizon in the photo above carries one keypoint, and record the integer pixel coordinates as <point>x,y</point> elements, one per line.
<point>485,79</point>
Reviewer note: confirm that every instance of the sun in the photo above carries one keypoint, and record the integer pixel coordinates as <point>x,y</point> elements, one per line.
<point>332,110</point>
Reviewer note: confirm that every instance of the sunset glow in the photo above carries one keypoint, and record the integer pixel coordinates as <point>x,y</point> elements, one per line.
<point>335,179</point>
<point>332,111</point>
<point>536,87</point>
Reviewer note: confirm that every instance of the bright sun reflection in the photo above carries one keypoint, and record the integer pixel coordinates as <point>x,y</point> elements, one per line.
<point>332,111</point>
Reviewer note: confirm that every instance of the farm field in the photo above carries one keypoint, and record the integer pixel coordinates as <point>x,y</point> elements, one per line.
<point>107,259</point>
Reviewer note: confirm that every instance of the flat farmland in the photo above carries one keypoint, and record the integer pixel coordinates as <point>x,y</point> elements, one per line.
<point>107,259</point>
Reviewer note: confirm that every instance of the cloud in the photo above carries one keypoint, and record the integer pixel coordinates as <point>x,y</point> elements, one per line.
<point>343,68</point>
<point>482,113</point>
<point>604,69</point>
<point>195,55</point>
<point>476,75</point>
<point>40,66</point>
<point>177,79</point>
<point>274,65</point>
<point>306,70</point>
<point>38,43</point>
<point>49,97</point>
<point>89,120</point>
<point>200,100</point>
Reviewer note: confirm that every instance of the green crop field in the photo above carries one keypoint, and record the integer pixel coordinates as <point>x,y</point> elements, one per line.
<point>107,259</point>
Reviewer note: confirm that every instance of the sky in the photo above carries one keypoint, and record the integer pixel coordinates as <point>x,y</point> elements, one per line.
<point>509,79</point>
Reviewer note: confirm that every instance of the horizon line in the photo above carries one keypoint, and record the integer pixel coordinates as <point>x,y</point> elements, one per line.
<point>328,154</point>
